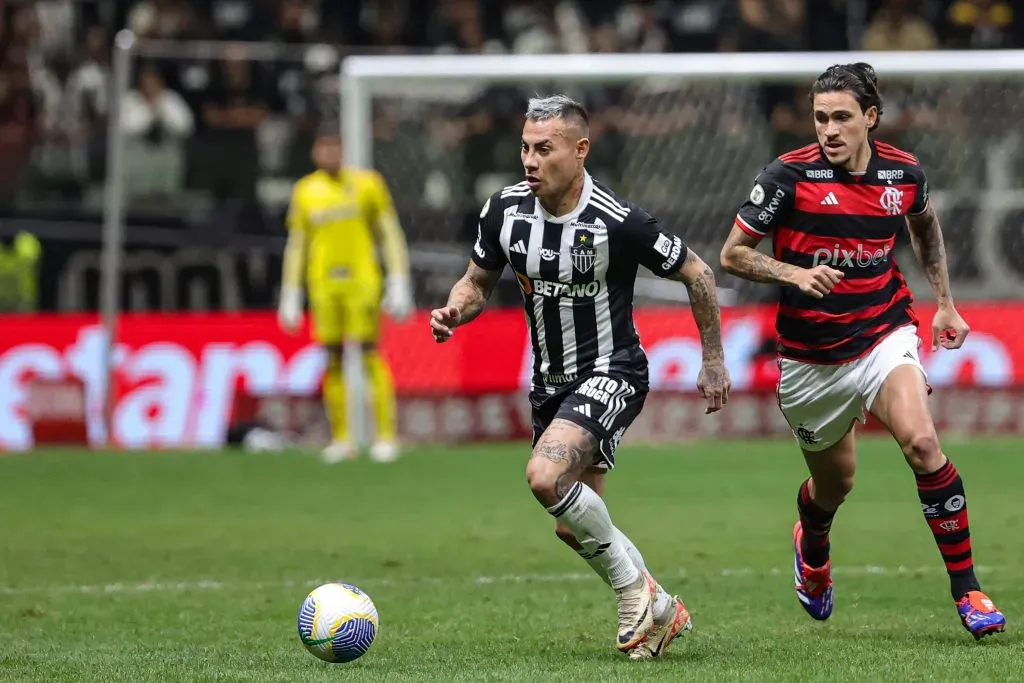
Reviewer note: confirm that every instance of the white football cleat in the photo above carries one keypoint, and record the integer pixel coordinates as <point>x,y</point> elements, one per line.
<point>338,451</point>
<point>384,451</point>
<point>636,611</point>
<point>664,634</point>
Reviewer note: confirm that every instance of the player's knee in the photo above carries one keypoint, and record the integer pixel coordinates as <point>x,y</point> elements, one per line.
<point>542,477</point>
<point>567,537</point>
<point>922,451</point>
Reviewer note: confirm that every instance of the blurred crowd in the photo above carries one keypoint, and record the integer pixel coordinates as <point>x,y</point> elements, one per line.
<point>225,134</point>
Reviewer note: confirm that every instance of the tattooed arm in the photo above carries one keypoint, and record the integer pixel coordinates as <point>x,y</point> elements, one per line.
<point>926,238</point>
<point>465,302</point>
<point>699,279</point>
<point>741,258</point>
<point>949,330</point>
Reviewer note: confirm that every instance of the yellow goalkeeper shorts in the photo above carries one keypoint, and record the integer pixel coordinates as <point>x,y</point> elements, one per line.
<point>345,313</point>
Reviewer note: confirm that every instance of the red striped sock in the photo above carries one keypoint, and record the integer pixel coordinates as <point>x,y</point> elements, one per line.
<point>944,505</point>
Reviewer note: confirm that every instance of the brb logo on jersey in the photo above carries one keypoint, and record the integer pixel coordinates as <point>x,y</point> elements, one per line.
<point>892,201</point>
<point>850,258</point>
<point>582,251</point>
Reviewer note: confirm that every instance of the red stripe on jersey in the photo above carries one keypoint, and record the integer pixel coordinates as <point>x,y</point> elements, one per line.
<point>854,200</point>
<point>865,285</point>
<point>807,153</point>
<point>753,232</point>
<point>891,149</point>
<point>844,318</point>
<point>808,243</point>
<point>896,157</point>
<point>792,343</point>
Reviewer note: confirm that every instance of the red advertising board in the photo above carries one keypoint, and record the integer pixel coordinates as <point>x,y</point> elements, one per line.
<point>177,374</point>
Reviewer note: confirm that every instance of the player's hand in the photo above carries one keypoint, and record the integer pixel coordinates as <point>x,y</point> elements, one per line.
<point>818,281</point>
<point>949,330</point>
<point>443,322</point>
<point>713,383</point>
<point>289,309</point>
<point>398,299</point>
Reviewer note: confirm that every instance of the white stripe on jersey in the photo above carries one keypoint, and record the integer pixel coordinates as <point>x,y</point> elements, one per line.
<point>505,237</point>
<point>518,190</point>
<point>602,309</point>
<point>565,304</point>
<point>533,271</point>
<point>612,202</point>
<point>602,204</point>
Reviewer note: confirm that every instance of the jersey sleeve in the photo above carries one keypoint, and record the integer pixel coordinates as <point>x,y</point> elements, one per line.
<point>656,249</point>
<point>296,217</point>
<point>769,203</point>
<point>920,192</point>
<point>487,250</point>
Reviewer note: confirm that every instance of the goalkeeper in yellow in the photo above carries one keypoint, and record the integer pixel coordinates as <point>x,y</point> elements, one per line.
<point>338,218</point>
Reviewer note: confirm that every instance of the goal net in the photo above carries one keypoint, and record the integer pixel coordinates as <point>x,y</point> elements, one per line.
<point>684,136</point>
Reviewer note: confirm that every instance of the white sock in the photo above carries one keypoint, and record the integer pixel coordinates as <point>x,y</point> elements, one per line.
<point>586,516</point>
<point>663,602</point>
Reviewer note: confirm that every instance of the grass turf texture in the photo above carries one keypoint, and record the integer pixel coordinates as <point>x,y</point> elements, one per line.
<point>191,567</point>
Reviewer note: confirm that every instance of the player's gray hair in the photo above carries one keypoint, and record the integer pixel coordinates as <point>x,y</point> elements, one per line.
<point>555,107</point>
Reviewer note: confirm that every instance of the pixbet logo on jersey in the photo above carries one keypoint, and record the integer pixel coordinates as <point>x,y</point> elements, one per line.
<point>850,258</point>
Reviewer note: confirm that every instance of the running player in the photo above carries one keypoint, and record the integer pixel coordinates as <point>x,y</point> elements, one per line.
<point>847,332</point>
<point>338,217</point>
<point>575,246</point>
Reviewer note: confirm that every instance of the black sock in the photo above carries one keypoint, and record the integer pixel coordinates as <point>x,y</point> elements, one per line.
<point>944,504</point>
<point>816,524</point>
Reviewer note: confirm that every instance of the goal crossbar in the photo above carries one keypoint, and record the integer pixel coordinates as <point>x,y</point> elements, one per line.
<point>362,75</point>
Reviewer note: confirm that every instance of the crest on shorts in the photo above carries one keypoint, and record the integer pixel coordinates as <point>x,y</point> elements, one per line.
<point>583,252</point>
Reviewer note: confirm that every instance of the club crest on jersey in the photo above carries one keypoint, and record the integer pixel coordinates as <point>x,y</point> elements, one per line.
<point>892,201</point>
<point>583,253</point>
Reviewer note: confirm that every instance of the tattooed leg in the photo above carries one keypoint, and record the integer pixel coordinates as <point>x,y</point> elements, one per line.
<point>556,473</point>
<point>559,459</point>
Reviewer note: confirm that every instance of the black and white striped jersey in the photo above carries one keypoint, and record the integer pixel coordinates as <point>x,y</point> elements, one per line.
<point>576,273</point>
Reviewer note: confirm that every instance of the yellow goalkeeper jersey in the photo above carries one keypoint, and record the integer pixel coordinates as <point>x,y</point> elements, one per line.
<point>340,220</point>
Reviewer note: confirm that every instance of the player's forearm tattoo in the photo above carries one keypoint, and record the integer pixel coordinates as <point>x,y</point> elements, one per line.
<point>926,238</point>
<point>471,292</point>
<point>706,313</point>
<point>750,264</point>
<point>700,283</point>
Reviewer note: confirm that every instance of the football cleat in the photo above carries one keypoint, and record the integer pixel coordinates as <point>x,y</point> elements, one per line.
<point>979,615</point>
<point>636,611</point>
<point>813,585</point>
<point>338,451</point>
<point>658,641</point>
<point>384,451</point>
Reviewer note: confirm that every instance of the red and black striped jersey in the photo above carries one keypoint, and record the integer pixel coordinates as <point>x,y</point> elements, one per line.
<point>816,215</point>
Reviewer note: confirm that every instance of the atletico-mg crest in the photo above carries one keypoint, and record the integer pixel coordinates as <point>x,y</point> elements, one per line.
<point>583,251</point>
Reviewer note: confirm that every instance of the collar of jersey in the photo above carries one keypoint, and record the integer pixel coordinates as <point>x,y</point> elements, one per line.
<point>588,188</point>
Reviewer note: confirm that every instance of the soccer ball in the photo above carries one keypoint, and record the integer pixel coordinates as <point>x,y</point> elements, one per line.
<point>337,622</point>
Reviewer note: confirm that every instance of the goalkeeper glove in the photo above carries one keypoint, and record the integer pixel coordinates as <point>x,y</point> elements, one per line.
<point>398,302</point>
<point>289,309</point>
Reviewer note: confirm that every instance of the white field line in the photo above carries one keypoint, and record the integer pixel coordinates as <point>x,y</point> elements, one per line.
<point>166,586</point>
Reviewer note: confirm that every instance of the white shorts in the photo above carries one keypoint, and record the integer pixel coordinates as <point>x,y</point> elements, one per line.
<point>821,402</point>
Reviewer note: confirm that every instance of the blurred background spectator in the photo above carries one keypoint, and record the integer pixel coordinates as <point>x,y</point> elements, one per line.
<point>214,140</point>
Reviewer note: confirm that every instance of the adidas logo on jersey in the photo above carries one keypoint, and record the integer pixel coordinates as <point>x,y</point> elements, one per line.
<point>583,409</point>
<point>518,248</point>
<point>830,200</point>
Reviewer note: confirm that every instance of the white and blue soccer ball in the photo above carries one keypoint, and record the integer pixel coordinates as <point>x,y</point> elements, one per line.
<point>338,622</point>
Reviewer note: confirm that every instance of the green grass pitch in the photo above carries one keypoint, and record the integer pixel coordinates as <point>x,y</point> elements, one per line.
<point>192,566</point>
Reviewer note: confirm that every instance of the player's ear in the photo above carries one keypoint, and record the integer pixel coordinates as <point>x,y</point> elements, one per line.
<point>582,148</point>
<point>872,116</point>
